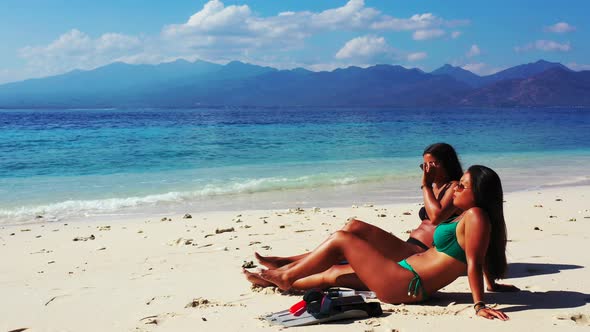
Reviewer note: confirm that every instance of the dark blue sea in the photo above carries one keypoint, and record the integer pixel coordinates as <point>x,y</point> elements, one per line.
<point>76,164</point>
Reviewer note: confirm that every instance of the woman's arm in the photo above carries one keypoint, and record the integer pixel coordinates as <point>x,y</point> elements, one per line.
<point>493,286</point>
<point>477,230</point>
<point>438,210</point>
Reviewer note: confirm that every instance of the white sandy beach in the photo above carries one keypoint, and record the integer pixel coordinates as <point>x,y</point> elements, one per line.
<point>182,275</point>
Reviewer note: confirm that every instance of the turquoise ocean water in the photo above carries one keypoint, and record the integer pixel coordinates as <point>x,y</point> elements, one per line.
<point>84,164</point>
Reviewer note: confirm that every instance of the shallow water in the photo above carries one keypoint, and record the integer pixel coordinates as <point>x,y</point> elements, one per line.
<point>77,164</point>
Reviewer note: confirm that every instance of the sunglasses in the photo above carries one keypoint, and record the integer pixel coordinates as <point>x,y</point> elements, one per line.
<point>430,164</point>
<point>460,187</point>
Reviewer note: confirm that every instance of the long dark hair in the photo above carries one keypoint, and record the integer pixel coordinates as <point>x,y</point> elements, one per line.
<point>487,190</point>
<point>448,158</point>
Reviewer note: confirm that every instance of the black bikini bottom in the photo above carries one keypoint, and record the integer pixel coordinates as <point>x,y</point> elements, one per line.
<point>417,242</point>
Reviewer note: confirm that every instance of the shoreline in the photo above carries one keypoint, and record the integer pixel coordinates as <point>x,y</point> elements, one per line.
<point>326,183</point>
<point>56,275</point>
<point>339,196</point>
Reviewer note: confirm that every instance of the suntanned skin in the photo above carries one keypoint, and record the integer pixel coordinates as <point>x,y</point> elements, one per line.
<point>434,180</point>
<point>389,280</point>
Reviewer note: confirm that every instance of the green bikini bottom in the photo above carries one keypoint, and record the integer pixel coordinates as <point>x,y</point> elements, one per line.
<point>415,288</point>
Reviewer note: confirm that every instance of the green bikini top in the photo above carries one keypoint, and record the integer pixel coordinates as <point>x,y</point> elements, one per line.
<point>445,240</point>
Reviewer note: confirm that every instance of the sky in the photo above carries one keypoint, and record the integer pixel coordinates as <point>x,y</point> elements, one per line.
<point>42,38</point>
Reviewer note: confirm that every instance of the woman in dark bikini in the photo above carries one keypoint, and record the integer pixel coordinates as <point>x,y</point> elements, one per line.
<point>472,243</point>
<point>441,171</point>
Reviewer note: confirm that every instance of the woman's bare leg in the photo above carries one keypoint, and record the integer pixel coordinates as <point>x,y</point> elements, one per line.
<point>273,262</point>
<point>336,276</point>
<point>388,244</point>
<point>255,279</point>
<point>379,273</point>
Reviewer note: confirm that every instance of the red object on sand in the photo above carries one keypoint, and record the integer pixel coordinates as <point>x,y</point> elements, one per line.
<point>298,308</point>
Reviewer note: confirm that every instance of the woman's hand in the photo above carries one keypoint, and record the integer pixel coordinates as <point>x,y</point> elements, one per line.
<point>428,175</point>
<point>490,313</point>
<point>502,288</point>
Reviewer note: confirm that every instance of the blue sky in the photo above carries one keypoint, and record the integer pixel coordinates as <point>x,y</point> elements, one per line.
<point>47,37</point>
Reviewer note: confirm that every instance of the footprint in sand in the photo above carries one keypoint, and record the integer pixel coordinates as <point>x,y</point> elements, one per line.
<point>156,298</point>
<point>183,241</point>
<point>157,319</point>
<point>579,319</point>
<point>84,238</point>
<point>201,302</point>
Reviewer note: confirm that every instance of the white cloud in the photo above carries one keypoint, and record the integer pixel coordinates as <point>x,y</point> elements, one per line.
<point>14,74</point>
<point>214,16</point>
<point>561,27</point>
<point>116,42</point>
<point>545,45</point>
<point>334,66</point>
<point>221,33</point>
<point>217,20</point>
<point>214,19</point>
<point>427,34</point>
<point>417,21</point>
<point>549,45</point>
<point>473,51</point>
<point>362,51</point>
<point>324,66</point>
<point>416,56</point>
<point>75,49</point>
<point>456,34</point>
<point>474,67</point>
<point>578,66</point>
<point>481,68</point>
<point>363,47</point>
<point>288,30</point>
<point>235,30</point>
<point>353,14</point>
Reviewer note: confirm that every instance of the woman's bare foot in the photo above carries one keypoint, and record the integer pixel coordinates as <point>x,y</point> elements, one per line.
<point>503,288</point>
<point>277,278</point>
<point>256,279</point>
<point>270,262</point>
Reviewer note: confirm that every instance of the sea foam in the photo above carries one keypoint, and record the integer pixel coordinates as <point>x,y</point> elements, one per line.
<point>91,207</point>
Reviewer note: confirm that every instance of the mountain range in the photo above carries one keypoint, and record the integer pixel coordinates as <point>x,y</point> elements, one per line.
<point>198,84</point>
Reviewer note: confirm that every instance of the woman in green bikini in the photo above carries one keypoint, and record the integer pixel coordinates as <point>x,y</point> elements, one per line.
<point>441,172</point>
<point>471,243</point>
